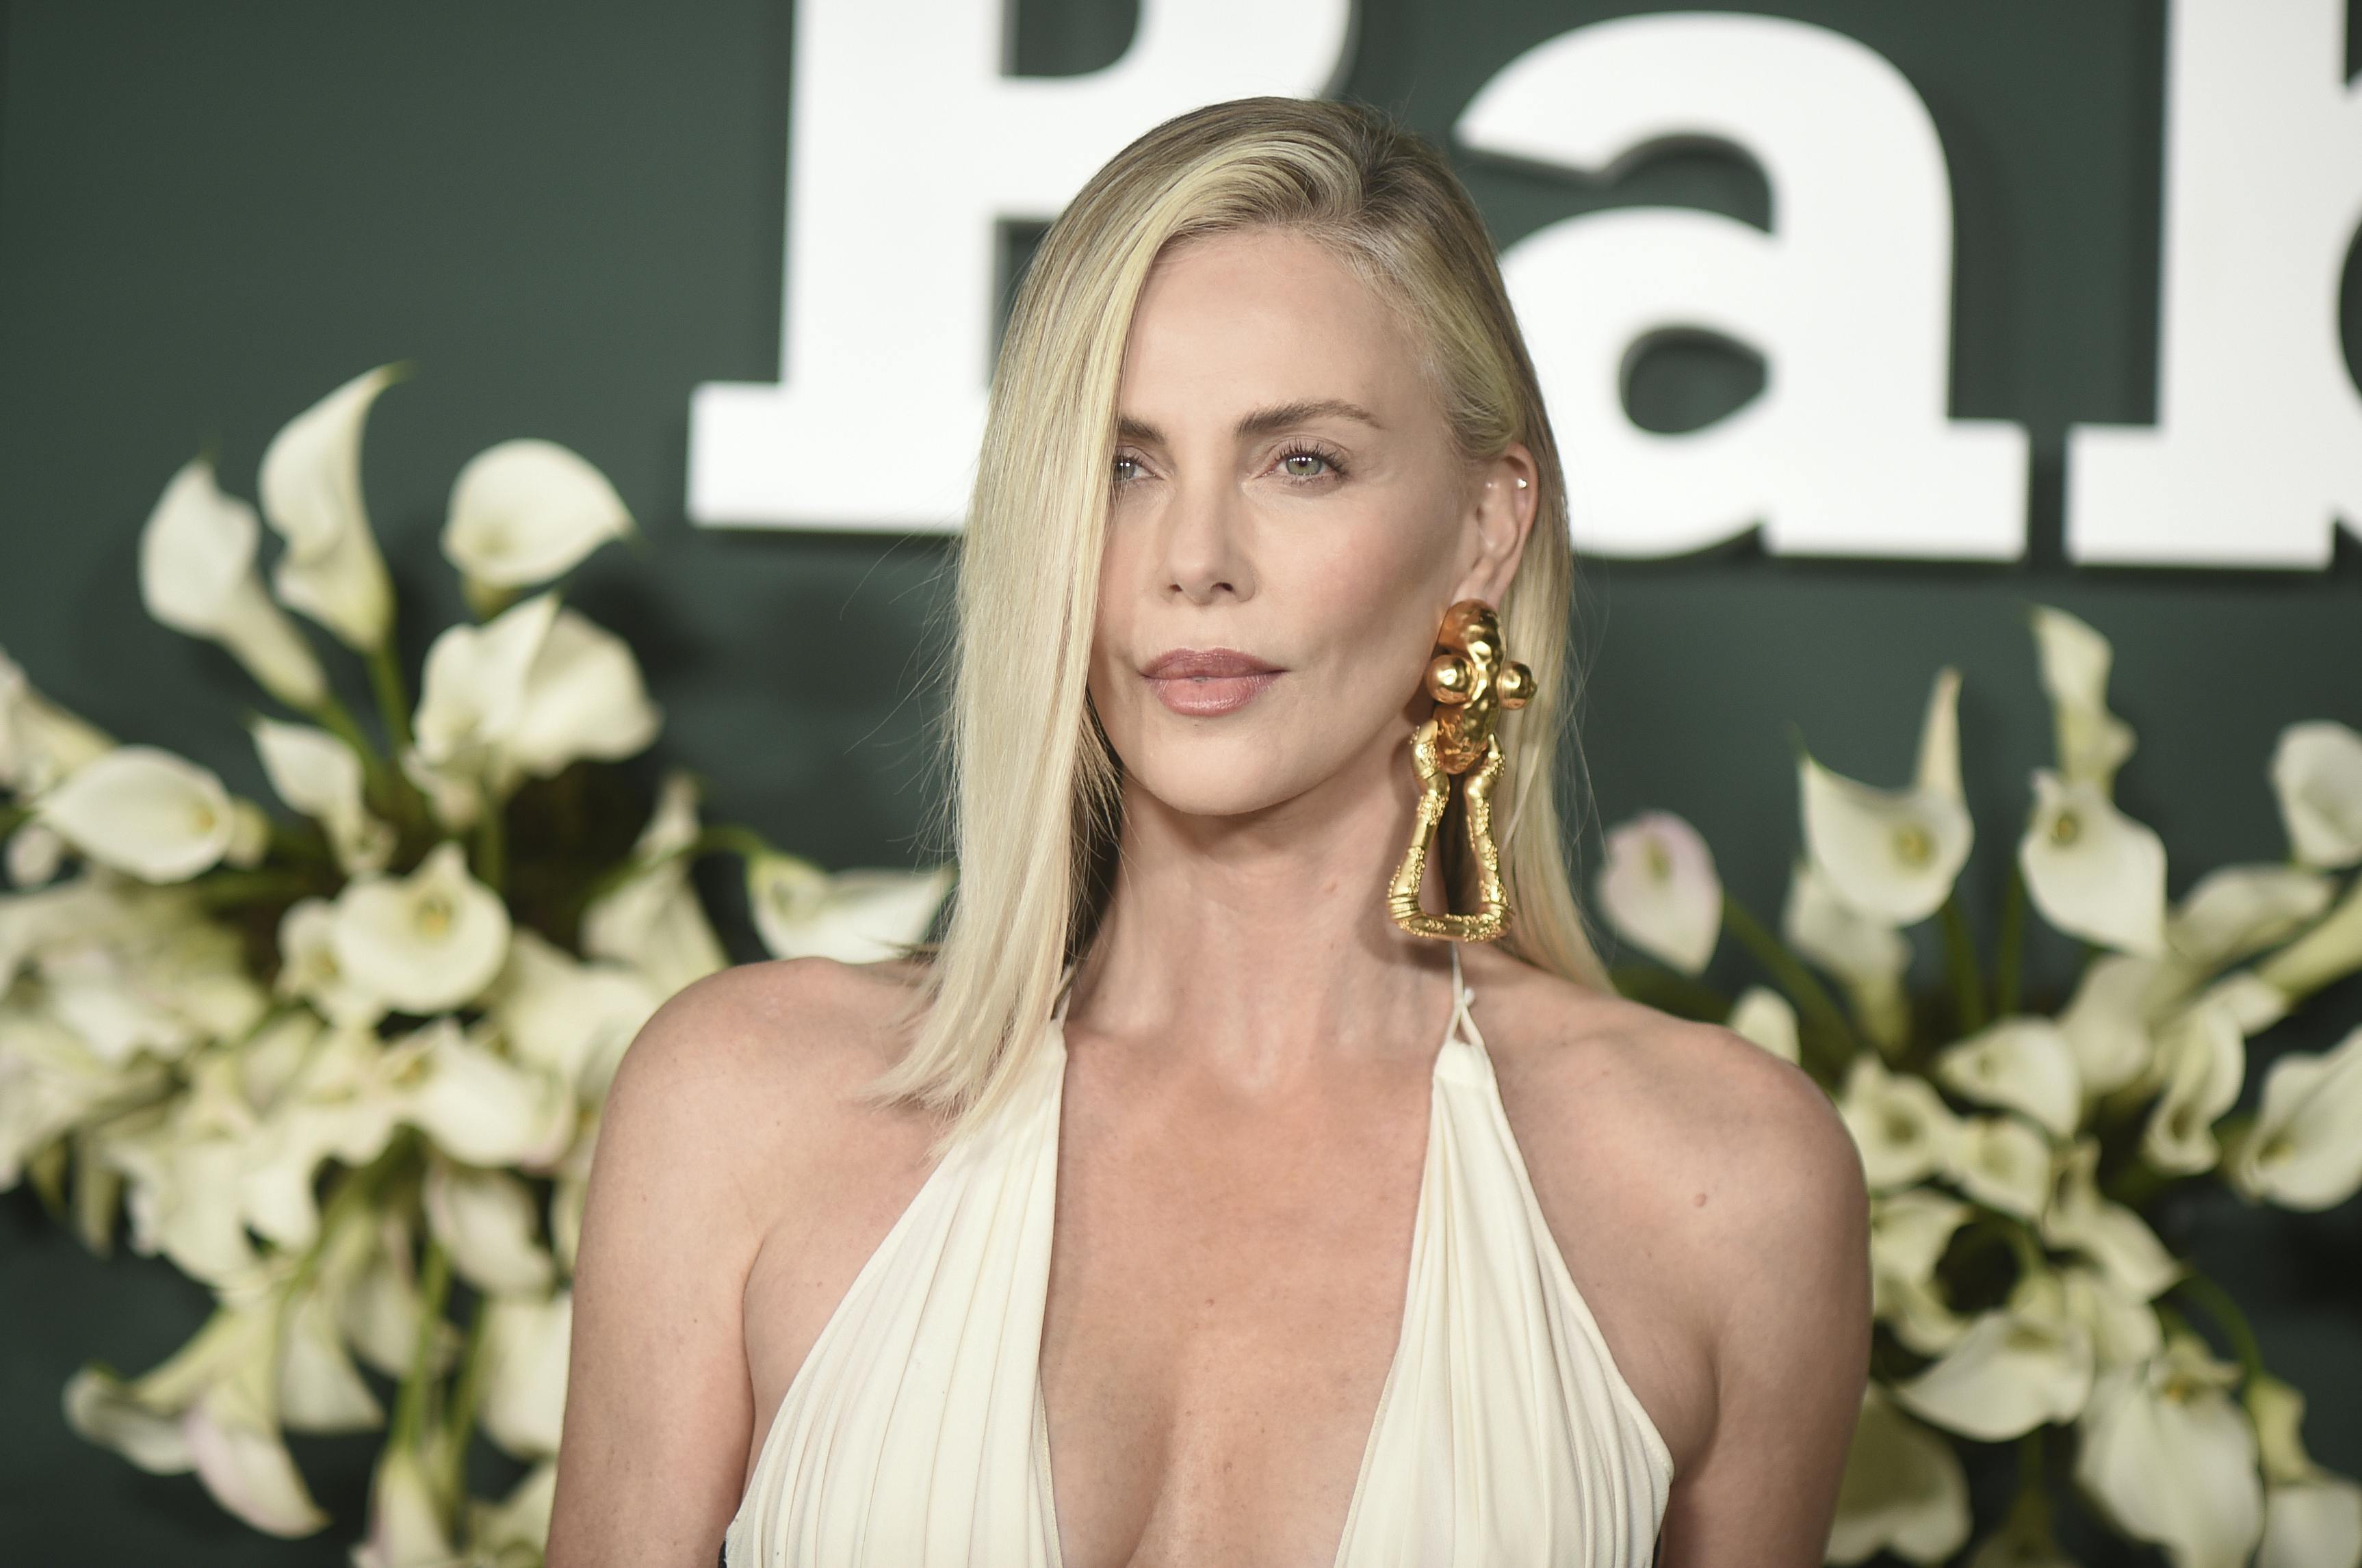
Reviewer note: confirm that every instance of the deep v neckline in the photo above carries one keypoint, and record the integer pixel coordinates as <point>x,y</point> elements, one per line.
<point>1047,1481</point>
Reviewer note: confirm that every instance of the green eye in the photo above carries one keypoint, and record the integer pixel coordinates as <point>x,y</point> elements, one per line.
<point>1126,469</point>
<point>1304,465</point>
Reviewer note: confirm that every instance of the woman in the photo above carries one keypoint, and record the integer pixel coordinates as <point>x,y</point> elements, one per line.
<point>1177,1211</point>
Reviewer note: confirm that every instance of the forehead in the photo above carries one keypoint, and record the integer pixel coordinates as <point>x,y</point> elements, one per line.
<point>1238,320</point>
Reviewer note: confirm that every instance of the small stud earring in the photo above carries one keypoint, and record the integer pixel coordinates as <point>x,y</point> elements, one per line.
<point>1521,484</point>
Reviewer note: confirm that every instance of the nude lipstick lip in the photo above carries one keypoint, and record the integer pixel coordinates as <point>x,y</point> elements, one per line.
<point>1205,683</point>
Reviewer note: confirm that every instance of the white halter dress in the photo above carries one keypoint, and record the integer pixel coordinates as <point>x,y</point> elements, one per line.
<point>913,1435</point>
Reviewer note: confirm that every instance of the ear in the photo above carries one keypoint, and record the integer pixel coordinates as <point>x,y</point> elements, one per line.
<point>1503,497</point>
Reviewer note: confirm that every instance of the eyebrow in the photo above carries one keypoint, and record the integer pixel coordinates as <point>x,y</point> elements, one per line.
<point>1265,420</point>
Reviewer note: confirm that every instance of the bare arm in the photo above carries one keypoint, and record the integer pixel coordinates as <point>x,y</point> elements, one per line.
<point>658,1410</point>
<point>1791,1343</point>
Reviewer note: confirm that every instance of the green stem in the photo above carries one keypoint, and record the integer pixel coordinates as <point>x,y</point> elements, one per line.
<point>434,1290</point>
<point>14,817</point>
<point>216,890</point>
<point>492,847</point>
<point>392,699</point>
<point>1795,979</point>
<point>731,838</point>
<point>2216,1303</point>
<point>355,1189</point>
<point>2009,956</point>
<point>1960,963</point>
<point>459,1425</point>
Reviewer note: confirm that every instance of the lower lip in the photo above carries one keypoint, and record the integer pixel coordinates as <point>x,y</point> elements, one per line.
<point>1210,697</point>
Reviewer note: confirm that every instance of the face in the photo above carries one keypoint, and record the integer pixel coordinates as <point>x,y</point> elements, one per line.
<point>1290,520</point>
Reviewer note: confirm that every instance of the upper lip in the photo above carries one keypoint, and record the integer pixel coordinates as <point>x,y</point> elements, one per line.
<point>1207,664</point>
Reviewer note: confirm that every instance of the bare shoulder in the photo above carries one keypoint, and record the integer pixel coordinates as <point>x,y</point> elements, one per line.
<point>1709,1201</point>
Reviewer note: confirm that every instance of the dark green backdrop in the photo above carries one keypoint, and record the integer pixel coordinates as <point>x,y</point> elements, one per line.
<point>567,214</point>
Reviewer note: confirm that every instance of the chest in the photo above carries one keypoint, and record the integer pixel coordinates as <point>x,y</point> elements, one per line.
<point>1225,1298</point>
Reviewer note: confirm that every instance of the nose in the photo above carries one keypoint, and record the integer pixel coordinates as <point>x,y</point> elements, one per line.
<point>1206,553</point>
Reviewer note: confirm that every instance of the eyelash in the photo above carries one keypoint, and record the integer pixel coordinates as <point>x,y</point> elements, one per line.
<point>1328,455</point>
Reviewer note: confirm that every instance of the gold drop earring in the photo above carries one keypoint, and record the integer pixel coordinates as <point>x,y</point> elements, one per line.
<point>1472,678</point>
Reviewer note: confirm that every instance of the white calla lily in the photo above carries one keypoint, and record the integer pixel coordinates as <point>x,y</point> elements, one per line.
<point>2124,1329</point>
<point>2317,776</point>
<point>2113,1236</point>
<point>320,1389</point>
<point>2106,1022</point>
<point>853,917</point>
<point>310,969</point>
<point>40,742</point>
<point>1868,956</point>
<point>526,511</point>
<point>344,1101</point>
<point>1903,1129</point>
<point>571,1019</point>
<point>1904,1490</point>
<point>482,1108</point>
<point>2093,743</point>
<point>2021,1064</point>
<point>34,855</point>
<point>425,941</point>
<point>1892,854</point>
<point>319,776</point>
<point>311,486</point>
<point>2093,871</point>
<point>2236,910</point>
<point>525,1343</point>
<point>583,697</point>
<point>211,1409</point>
<point>2304,1150</point>
<point>472,692</point>
<point>2254,1003</point>
<point>1659,890</point>
<point>145,812</point>
<point>1908,1233</point>
<point>2172,1459</point>
<point>652,921</point>
<point>2313,1519</point>
<point>518,1524</point>
<point>198,575</point>
<point>2202,1059</point>
<point>381,1310</point>
<point>2025,1365</point>
<point>1763,1016</point>
<point>2001,1162</point>
<point>405,1520</point>
<point>485,1220</point>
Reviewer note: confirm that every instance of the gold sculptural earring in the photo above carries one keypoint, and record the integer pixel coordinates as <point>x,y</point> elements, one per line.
<point>1472,678</point>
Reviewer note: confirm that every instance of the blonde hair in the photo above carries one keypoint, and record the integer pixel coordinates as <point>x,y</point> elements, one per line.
<point>1035,798</point>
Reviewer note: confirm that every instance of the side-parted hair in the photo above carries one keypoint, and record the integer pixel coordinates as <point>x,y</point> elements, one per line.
<point>1036,787</point>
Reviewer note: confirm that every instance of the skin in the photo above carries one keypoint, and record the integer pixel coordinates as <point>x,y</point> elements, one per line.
<point>1249,1049</point>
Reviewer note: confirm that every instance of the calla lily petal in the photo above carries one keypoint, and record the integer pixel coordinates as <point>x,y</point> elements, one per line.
<point>1660,891</point>
<point>2113,1236</point>
<point>311,485</point>
<point>652,921</point>
<point>485,1220</point>
<point>1866,956</point>
<point>583,697</point>
<point>2093,871</point>
<point>1904,1132</point>
<point>482,1108</point>
<point>405,1522</point>
<point>853,917</point>
<point>2003,1162</point>
<point>2093,743</point>
<point>2239,909</point>
<point>2330,950</point>
<point>1763,1016</point>
<point>1904,1490</point>
<point>319,776</point>
<point>1893,854</point>
<point>472,692</point>
<point>1908,1234</point>
<point>2314,1523</point>
<point>2172,1460</point>
<point>526,511</point>
<point>2305,1149</point>
<point>2202,1058</point>
<point>572,1020</point>
<point>144,813</point>
<point>2021,1064</point>
<point>40,742</point>
<point>426,941</point>
<point>2317,774</point>
<point>2015,1369</point>
<point>2105,1024</point>
<point>2124,1329</point>
<point>198,575</point>
<point>525,1343</point>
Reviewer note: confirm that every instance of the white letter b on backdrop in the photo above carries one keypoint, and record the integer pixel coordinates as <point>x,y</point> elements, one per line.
<point>907,148</point>
<point>1847,450</point>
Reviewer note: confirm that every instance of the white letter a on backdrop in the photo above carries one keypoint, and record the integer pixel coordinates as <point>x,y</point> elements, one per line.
<point>1847,450</point>
<point>907,147</point>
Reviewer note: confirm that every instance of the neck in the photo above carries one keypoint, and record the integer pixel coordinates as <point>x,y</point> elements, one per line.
<point>1261,943</point>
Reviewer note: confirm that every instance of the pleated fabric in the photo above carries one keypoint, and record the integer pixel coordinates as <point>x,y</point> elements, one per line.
<point>914,1434</point>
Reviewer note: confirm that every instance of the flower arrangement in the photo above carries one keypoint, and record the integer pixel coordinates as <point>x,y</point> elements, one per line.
<point>344,1067</point>
<point>2020,1292</point>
